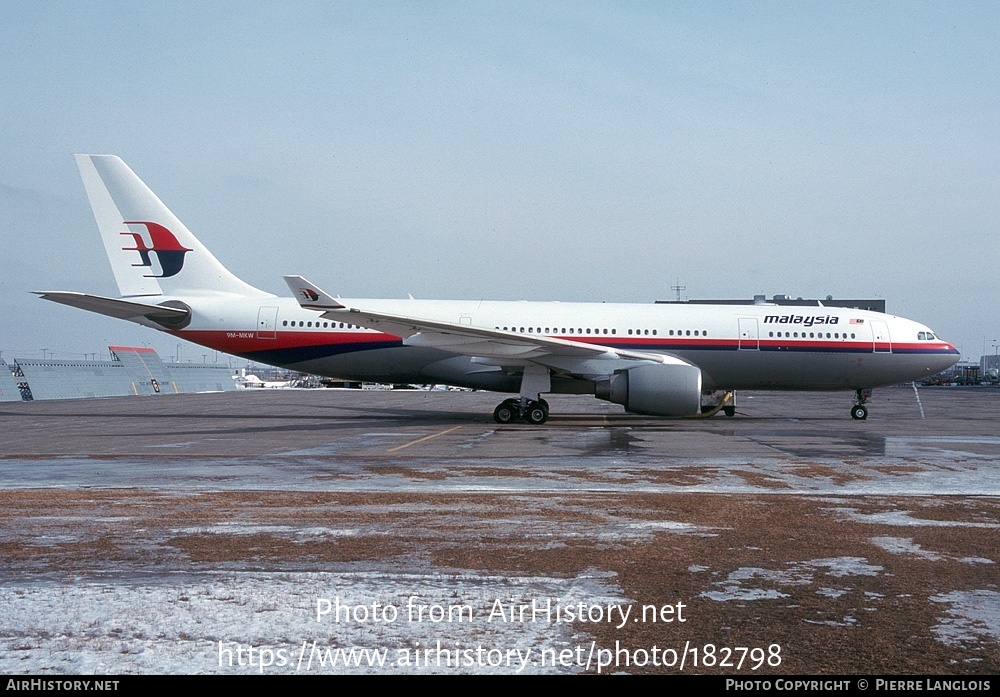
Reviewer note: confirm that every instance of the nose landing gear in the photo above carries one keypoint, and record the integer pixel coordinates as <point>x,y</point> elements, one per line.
<point>859,412</point>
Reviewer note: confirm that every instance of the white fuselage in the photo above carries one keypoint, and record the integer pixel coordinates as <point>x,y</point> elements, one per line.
<point>735,346</point>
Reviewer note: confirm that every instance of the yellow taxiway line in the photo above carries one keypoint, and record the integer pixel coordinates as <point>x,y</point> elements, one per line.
<point>421,440</point>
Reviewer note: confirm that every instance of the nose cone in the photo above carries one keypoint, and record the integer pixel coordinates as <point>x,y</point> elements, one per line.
<point>945,357</point>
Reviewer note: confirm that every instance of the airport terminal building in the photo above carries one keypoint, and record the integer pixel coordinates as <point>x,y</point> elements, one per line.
<point>132,371</point>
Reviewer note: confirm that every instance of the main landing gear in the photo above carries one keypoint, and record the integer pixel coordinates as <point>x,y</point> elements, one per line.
<point>511,410</point>
<point>859,412</point>
<point>535,379</point>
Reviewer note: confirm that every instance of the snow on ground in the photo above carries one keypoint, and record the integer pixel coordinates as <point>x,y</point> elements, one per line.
<point>906,519</point>
<point>971,617</point>
<point>206,623</point>
<point>904,545</point>
<point>740,584</point>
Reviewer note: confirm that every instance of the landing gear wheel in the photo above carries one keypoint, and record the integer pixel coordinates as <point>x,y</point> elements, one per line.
<point>729,411</point>
<point>536,413</point>
<point>859,412</point>
<point>506,412</point>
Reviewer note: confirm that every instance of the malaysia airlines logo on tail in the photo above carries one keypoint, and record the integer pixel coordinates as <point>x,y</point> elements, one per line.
<point>169,252</point>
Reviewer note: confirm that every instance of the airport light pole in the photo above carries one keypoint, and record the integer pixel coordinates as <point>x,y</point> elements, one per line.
<point>45,353</point>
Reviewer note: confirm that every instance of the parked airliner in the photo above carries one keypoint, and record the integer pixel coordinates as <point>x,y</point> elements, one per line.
<point>655,359</point>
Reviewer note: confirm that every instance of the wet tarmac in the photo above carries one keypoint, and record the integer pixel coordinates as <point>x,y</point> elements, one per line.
<point>852,547</point>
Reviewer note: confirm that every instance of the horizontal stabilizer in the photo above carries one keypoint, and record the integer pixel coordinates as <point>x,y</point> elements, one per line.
<point>120,309</point>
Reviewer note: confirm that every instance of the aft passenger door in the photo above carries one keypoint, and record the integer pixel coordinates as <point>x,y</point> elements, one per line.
<point>267,321</point>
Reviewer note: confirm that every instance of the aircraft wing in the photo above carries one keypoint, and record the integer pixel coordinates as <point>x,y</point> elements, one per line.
<point>501,347</point>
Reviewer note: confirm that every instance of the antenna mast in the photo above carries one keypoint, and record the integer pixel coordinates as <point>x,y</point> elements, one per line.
<point>678,287</point>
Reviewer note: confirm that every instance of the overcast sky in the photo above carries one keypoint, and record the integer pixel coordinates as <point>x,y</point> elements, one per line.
<point>499,150</point>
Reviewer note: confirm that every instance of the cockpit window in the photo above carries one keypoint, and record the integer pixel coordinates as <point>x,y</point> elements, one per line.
<point>925,336</point>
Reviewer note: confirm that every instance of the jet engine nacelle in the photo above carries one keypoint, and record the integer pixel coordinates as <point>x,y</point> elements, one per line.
<point>662,389</point>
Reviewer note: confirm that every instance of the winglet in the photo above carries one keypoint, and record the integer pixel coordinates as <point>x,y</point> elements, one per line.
<point>311,297</point>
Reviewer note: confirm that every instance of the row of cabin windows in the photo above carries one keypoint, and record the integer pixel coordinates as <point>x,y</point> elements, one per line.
<point>811,335</point>
<point>590,331</point>
<point>522,330</point>
<point>564,330</point>
<point>556,330</point>
<point>672,332</point>
<point>923,336</point>
<point>324,325</point>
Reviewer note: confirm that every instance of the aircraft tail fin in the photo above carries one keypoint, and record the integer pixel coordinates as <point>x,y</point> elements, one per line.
<point>150,250</point>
